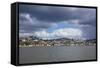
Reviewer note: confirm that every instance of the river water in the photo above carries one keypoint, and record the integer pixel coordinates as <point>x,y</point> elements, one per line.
<point>56,53</point>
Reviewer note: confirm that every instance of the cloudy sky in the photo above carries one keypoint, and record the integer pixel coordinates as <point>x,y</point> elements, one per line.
<point>49,22</point>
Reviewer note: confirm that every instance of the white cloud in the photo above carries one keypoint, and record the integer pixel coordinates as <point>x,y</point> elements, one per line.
<point>27,16</point>
<point>30,20</point>
<point>42,34</point>
<point>60,33</point>
<point>25,34</point>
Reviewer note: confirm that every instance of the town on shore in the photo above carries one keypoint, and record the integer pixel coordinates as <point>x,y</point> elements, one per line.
<point>35,41</point>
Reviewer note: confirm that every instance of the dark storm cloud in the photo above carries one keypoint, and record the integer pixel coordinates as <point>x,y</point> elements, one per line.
<point>55,14</point>
<point>45,13</point>
<point>27,27</point>
<point>31,24</point>
<point>89,32</point>
<point>88,21</point>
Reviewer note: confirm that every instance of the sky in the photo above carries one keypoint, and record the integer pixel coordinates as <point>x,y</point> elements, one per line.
<point>52,22</point>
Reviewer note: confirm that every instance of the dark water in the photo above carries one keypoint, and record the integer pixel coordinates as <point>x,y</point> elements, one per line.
<point>56,53</point>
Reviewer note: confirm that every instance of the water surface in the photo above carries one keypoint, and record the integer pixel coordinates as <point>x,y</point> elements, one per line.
<point>56,53</point>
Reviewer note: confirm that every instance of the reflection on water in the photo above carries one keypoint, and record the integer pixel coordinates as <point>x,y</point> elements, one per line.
<point>56,53</point>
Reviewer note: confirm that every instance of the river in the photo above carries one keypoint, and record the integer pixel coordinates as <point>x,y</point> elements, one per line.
<point>56,53</point>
